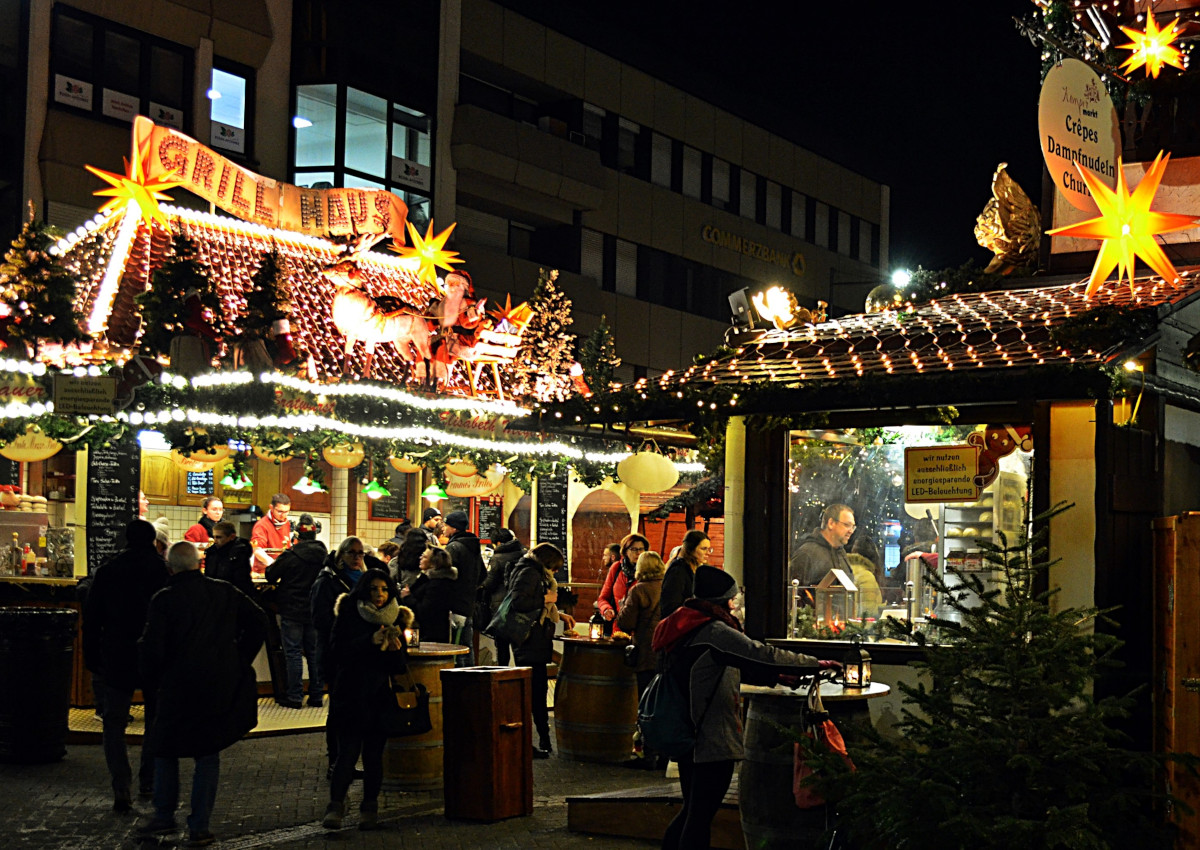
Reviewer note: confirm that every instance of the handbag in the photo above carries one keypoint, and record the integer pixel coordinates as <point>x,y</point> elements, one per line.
<point>822,730</point>
<point>409,714</point>
<point>632,655</point>
<point>510,625</point>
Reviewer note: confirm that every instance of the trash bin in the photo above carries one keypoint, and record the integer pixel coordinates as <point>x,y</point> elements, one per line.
<point>488,733</point>
<point>36,646</point>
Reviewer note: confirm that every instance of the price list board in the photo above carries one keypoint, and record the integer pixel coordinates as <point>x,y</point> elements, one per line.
<point>200,483</point>
<point>10,472</point>
<point>394,506</point>
<point>491,516</point>
<point>113,480</point>
<point>551,526</point>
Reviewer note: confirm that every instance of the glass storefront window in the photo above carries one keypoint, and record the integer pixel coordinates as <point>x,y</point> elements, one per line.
<point>316,125</point>
<point>905,504</point>
<point>366,133</point>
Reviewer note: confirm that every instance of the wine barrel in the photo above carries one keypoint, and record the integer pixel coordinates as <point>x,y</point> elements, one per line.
<point>36,646</point>
<point>414,763</point>
<point>595,702</point>
<point>770,819</point>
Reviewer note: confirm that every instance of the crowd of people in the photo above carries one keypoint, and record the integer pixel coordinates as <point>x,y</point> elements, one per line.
<point>184,622</point>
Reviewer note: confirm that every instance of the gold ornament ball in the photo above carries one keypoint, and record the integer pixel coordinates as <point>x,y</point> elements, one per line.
<point>886,296</point>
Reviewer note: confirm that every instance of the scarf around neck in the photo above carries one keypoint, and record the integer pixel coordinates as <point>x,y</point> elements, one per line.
<point>384,616</point>
<point>628,569</point>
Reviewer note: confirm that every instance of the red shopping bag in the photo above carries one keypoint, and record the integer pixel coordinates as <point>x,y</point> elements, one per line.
<point>825,733</point>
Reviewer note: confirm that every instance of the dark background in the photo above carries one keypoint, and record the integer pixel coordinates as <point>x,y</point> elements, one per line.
<point>925,98</point>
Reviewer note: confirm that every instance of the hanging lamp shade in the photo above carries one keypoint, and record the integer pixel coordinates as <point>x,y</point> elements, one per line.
<point>270,456</point>
<point>434,493</point>
<point>460,467</point>
<point>404,463</point>
<point>344,456</point>
<point>374,490</point>
<point>648,471</point>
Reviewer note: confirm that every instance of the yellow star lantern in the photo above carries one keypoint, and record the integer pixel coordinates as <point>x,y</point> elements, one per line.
<point>515,317</point>
<point>134,187</point>
<point>430,252</point>
<point>1152,48</point>
<point>1127,225</point>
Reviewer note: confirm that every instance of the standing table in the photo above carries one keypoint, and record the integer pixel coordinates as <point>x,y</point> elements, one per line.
<point>770,818</point>
<point>595,701</point>
<point>415,763</point>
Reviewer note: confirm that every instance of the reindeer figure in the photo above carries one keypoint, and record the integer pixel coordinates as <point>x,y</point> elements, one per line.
<point>358,316</point>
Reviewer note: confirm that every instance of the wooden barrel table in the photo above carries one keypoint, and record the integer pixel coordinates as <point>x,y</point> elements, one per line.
<point>770,818</point>
<point>595,701</point>
<point>415,763</point>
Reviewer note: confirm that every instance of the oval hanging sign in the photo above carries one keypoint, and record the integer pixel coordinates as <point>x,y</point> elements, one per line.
<point>1077,122</point>
<point>31,446</point>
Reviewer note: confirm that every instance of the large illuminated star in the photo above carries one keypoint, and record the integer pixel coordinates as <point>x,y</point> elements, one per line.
<point>135,187</point>
<point>510,317</point>
<point>1152,48</point>
<point>430,252</point>
<point>1127,225</point>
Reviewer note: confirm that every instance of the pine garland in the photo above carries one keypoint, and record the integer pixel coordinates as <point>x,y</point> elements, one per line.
<point>38,293</point>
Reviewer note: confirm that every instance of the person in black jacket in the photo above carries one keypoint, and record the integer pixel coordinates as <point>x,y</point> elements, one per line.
<point>408,562</point>
<point>198,649</point>
<point>432,595</point>
<point>508,550</point>
<point>369,645</point>
<point>339,575</point>
<point>294,573</point>
<point>466,554</point>
<point>229,558</point>
<point>681,572</point>
<point>535,591</point>
<point>114,614</point>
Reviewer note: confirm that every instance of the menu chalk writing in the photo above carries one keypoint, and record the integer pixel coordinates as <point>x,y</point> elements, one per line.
<point>113,479</point>
<point>552,511</point>
<point>491,517</point>
<point>10,472</point>
<point>394,506</point>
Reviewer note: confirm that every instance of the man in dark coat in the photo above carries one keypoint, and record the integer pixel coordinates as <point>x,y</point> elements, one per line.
<point>229,558</point>
<point>293,574</point>
<point>113,617</point>
<point>198,649</point>
<point>466,555</point>
<point>508,550</point>
<point>825,548</point>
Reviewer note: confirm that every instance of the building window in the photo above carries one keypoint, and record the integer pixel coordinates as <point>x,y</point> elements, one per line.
<point>692,161</point>
<point>353,138</point>
<point>593,126</point>
<point>843,236</point>
<point>866,238</point>
<point>660,160</point>
<point>774,218</point>
<point>627,143</point>
<point>626,268</point>
<point>720,184</point>
<point>821,223</point>
<point>591,255</point>
<point>520,241</point>
<point>115,72</point>
<point>748,205</point>
<point>231,95</point>
<point>799,205</point>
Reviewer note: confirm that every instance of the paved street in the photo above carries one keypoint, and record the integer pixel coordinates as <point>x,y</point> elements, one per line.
<point>273,793</point>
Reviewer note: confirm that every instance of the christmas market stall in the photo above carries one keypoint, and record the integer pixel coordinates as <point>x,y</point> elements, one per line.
<point>181,355</point>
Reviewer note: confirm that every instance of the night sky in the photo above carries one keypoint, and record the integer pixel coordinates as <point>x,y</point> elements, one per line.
<point>927,98</point>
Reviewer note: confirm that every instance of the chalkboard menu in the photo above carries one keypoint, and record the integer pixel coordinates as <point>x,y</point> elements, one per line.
<point>200,483</point>
<point>10,472</point>
<point>113,480</point>
<point>491,517</point>
<point>394,506</point>
<point>552,511</point>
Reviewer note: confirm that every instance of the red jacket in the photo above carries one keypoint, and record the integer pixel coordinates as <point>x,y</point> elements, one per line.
<point>616,585</point>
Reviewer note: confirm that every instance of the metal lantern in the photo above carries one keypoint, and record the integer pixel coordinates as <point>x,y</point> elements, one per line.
<point>856,669</point>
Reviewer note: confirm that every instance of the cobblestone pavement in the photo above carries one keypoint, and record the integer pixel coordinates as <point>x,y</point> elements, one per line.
<point>273,793</point>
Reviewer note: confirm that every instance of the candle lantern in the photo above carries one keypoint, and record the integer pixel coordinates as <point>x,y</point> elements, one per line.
<point>412,638</point>
<point>596,626</point>
<point>856,669</point>
<point>836,599</point>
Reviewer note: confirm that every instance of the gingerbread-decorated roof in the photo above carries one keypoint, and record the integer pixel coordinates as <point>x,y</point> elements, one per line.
<point>231,251</point>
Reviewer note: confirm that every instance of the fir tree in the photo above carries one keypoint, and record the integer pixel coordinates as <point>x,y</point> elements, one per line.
<point>1007,747</point>
<point>542,367</point>
<point>266,299</point>
<point>598,357</point>
<point>182,299</point>
<point>38,292</point>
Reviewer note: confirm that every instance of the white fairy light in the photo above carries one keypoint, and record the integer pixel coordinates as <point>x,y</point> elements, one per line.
<point>102,306</point>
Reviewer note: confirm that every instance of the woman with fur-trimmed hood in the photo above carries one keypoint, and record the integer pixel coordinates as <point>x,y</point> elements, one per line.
<point>368,644</point>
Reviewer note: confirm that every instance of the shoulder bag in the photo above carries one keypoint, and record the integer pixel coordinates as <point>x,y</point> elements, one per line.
<point>409,712</point>
<point>509,624</point>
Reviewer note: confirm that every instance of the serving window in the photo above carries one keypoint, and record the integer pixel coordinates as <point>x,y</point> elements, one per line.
<point>903,504</point>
